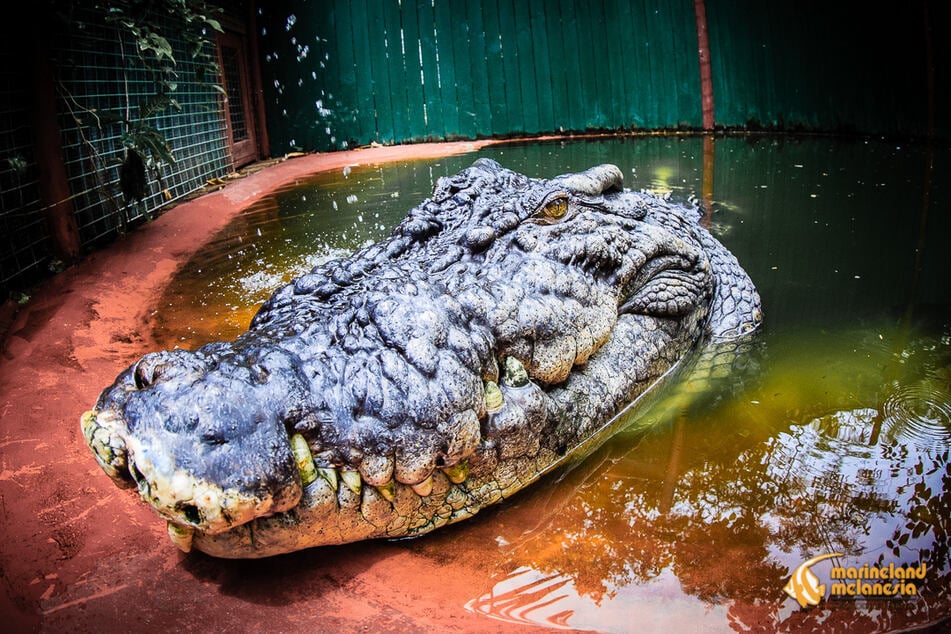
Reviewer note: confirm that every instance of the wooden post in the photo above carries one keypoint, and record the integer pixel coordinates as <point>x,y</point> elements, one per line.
<point>53,184</point>
<point>706,75</point>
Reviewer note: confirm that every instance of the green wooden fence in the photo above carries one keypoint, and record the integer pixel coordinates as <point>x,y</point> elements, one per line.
<point>340,73</point>
<point>343,73</point>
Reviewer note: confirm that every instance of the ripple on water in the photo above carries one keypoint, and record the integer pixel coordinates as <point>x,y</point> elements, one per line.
<point>919,413</point>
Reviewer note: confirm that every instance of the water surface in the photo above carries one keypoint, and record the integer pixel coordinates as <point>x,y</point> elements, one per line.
<point>836,440</point>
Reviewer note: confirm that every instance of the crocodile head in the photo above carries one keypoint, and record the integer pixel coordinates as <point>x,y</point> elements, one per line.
<point>504,322</point>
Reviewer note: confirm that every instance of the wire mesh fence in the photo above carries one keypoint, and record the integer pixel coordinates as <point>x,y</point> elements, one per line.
<point>99,80</point>
<point>101,74</point>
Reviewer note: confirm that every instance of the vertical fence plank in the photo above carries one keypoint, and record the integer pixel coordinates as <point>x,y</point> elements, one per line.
<point>455,26</point>
<point>368,101</point>
<point>577,108</point>
<point>651,75</point>
<point>556,57</point>
<point>623,55</point>
<point>450,100</point>
<point>432,88</point>
<point>379,72</point>
<point>686,64</point>
<point>345,129</point>
<point>604,62</point>
<point>325,77</point>
<point>395,70</point>
<point>480,73</point>
<point>495,66</point>
<point>523,42</point>
<point>591,66</point>
<point>542,64</point>
<point>514,67</point>
<point>415,99</point>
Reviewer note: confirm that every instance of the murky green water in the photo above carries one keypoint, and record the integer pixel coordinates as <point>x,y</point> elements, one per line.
<point>837,441</point>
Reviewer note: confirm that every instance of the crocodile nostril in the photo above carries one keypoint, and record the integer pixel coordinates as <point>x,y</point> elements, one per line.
<point>191,513</point>
<point>141,376</point>
<point>146,372</point>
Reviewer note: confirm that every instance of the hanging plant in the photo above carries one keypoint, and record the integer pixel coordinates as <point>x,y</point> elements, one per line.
<point>144,25</point>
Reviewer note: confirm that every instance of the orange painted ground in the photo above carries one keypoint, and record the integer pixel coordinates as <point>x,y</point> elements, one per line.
<point>78,554</point>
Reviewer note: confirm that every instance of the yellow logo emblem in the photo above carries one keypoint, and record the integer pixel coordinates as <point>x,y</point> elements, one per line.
<point>804,586</point>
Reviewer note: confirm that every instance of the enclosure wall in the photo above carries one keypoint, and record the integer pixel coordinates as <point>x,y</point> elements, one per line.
<point>344,73</point>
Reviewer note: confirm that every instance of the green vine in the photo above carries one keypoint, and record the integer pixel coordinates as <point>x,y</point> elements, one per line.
<point>144,24</point>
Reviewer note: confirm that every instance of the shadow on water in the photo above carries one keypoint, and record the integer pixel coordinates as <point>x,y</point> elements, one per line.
<point>699,512</point>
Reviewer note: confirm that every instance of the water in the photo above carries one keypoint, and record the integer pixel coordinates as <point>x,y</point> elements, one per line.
<point>838,441</point>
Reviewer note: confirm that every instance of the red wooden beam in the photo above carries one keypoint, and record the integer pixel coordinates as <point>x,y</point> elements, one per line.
<point>706,75</point>
<point>53,184</point>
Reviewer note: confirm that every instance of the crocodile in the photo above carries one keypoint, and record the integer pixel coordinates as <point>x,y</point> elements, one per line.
<point>502,326</point>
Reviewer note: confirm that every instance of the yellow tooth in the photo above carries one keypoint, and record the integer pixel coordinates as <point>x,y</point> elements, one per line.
<point>388,490</point>
<point>458,473</point>
<point>328,474</point>
<point>424,488</point>
<point>514,373</point>
<point>88,424</point>
<point>352,480</point>
<point>493,397</point>
<point>181,536</point>
<point>305,460</point>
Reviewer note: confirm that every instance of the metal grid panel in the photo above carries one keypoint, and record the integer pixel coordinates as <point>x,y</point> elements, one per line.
<point>101,73</point>
<point>24,248</point>
<point>230,69</point>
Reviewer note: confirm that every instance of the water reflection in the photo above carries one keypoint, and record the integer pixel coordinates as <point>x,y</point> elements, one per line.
<point>729,500</point>
<point>697,514</point>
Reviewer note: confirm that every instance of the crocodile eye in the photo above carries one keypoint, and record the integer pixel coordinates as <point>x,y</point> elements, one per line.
<point>555,208</point>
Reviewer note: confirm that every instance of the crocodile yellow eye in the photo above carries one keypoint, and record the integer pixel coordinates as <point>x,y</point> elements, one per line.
<point>556,208</point>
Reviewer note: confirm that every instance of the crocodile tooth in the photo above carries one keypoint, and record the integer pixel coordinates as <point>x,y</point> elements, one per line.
<point>493,397</point>
<point>329,474</point>
<point>352,480</point>
<point>457,473</point>
<point>305,460</point>
<point>514,373</point>
<point>387,490</point>
<point>424,488</point>
<point>181,536</point>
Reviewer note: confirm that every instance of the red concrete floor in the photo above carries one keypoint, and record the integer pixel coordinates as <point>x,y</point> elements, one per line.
<point>78,554</point>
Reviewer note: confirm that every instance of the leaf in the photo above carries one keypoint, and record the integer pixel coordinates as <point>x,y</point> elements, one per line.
<point>147,138</point>
<point>214,24</point>
<point>158,45</point>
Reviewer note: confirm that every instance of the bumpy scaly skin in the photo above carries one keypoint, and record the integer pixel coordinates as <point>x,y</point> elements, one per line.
<point>506,321</point>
